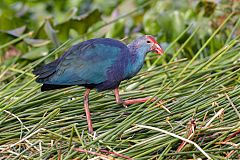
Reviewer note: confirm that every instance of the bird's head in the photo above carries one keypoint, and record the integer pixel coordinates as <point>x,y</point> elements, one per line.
<point>147,43</point>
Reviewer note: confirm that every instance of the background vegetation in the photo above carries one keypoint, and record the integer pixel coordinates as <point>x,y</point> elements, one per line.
<point>197,80</point>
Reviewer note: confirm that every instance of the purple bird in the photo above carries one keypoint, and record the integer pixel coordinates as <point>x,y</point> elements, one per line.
<point>100,63</point>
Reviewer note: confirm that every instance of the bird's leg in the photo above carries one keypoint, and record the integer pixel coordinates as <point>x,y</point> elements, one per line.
<point>86,107</point>
<point>131,101</point>
<point>118,99</point>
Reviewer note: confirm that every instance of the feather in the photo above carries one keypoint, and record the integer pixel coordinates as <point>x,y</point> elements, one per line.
<point>47,87</point>
<point>97,62</point>
<point>45,71</point>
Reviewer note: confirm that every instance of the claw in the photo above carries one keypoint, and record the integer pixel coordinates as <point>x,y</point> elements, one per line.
<point>124,105</point>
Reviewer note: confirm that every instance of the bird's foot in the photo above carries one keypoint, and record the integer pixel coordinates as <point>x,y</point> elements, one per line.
<point>160,103</point>
<point>121,102</point>
<point>125,105</point>
<point>139,100</point>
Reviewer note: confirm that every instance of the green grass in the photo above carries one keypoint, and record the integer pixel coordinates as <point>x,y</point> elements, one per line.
<point>202,94</point>
<point>55,121</point>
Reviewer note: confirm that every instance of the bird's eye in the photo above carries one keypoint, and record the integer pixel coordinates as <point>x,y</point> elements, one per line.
<point>148,41</point>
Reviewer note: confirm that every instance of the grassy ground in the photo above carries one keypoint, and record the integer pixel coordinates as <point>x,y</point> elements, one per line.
<point>197,117</point>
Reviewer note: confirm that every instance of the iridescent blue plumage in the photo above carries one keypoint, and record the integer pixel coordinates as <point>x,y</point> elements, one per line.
<point>100,63</point>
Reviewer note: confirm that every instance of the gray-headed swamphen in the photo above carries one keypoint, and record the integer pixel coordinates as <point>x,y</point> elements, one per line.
<point>100,63</point>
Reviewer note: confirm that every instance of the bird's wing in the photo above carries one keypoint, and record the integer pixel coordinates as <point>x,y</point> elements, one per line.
<point>87,63</point>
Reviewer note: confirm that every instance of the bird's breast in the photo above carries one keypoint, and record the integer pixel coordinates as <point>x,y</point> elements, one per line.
<point>134,66</point>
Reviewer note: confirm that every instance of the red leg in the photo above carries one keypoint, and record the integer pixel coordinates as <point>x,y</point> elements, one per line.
<point>132,101</point>
<point>86,107</point>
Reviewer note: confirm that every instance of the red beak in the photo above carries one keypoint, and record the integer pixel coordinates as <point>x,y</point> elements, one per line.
<point>157,48</point>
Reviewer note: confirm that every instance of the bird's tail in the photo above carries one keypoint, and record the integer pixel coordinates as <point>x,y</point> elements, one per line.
<point>45,71</point>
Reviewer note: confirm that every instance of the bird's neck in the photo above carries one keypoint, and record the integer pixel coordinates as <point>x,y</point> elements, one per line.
<point>137,57</point>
